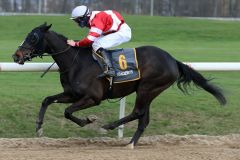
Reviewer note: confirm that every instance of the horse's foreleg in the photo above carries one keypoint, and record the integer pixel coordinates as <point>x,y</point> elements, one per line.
<point>83,103</point>
<point>59,98</point>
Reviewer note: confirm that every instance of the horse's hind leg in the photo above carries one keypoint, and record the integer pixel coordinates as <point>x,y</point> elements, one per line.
<point>139,110</point>
<point>121,121</point>
<point>142,124</point>
<point>143,102</point>
<point>142,110</point>
<point>59,98</point>
<point>135,114</point>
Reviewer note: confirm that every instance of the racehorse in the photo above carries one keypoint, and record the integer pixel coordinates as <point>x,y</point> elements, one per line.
<point>78,71</point>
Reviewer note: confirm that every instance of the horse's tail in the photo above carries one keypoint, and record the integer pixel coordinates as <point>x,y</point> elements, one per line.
<point>188,75</point>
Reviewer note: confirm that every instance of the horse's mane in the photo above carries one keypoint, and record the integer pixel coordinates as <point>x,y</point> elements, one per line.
<point>64,38</point>
<point>60,35</point>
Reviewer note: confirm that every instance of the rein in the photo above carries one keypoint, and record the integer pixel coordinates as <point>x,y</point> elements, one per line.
<point>66,70</point>
<point>31,54</point>
<point>47,70</point>
<point>55,54</point>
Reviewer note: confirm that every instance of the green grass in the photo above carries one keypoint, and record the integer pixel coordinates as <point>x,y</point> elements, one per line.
<point>172,112</point>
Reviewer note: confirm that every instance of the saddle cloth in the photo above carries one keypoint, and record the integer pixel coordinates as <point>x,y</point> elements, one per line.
<point>125,65</point>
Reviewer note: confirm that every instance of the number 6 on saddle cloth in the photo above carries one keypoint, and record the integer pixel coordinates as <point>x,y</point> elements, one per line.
<point>124,62</point>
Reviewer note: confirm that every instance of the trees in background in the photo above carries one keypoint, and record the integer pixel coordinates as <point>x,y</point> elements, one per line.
<point>201,8</point>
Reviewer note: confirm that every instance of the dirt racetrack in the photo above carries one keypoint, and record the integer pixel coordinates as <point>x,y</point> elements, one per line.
<point>167,147</point>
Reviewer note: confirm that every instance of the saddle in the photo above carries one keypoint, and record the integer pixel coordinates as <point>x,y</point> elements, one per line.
<point>124,62</point>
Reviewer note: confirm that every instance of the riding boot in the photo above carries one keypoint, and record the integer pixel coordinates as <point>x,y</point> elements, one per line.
<point>109,71</point>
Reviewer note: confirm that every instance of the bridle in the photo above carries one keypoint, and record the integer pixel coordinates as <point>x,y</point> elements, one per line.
<point>37,51</point>
<point>30,53</point>
<point>35,47</point>
<point>33,51</point>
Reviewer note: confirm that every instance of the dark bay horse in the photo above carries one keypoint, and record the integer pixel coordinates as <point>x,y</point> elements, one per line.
<point>78,71</point>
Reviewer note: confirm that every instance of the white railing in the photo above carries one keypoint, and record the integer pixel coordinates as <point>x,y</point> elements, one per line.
<point>201,66</point>
<point>215,66</point>
<point>27,67</point>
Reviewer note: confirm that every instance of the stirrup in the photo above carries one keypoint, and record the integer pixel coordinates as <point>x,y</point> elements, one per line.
<point>107,73</point>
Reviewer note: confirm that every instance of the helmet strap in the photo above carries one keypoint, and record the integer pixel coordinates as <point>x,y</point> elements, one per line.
<point>86,12</point>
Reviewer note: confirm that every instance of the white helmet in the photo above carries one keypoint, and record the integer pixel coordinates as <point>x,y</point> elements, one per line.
<point>80,11</point>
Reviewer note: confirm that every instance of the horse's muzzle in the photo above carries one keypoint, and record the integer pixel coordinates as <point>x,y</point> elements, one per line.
<point>17,59</point>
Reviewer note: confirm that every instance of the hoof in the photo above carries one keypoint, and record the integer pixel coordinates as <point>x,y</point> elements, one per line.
<point>39,133</point>
<point>108,127</point>
<point>102,131</point>
<point>130,146</point>
<point>92,118</point>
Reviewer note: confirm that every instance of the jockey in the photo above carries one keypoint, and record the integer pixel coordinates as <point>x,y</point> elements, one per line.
<point>107,29</point>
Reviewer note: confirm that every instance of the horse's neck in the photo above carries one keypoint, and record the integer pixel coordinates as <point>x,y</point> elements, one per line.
<point>63,56</point>
<point>55,42</point>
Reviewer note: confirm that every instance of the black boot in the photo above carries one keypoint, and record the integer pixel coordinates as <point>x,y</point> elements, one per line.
<point>109,71</point>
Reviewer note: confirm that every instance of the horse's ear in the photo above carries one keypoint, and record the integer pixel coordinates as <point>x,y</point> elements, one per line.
<point>48,27</point>
<point>45,27</point>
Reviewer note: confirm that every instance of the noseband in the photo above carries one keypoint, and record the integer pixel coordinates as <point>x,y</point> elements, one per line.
<point>32,52</point>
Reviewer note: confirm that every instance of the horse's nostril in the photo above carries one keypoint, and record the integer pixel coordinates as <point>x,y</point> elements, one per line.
<point>15,58</point>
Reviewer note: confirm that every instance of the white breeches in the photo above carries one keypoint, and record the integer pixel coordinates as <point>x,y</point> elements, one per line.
<point>123,35</point>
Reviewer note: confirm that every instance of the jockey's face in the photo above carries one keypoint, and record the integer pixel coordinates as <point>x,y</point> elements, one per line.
<point>82,21</point>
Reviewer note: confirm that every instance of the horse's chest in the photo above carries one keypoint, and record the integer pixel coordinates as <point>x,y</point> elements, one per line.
<point>77,82</point>
<point>76,86</point>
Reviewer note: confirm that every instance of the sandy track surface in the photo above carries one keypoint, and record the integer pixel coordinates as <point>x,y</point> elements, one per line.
<point>167,147</point>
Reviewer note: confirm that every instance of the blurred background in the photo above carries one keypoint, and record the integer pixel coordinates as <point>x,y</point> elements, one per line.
<point>199,8</point>
<point>172,27</point>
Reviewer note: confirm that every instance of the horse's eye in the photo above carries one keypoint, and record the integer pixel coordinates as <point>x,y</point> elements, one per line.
<point>34,39</point>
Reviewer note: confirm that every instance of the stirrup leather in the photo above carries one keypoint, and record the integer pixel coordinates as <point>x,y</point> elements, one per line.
<point>108,69</point>
<point>109,72</point>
